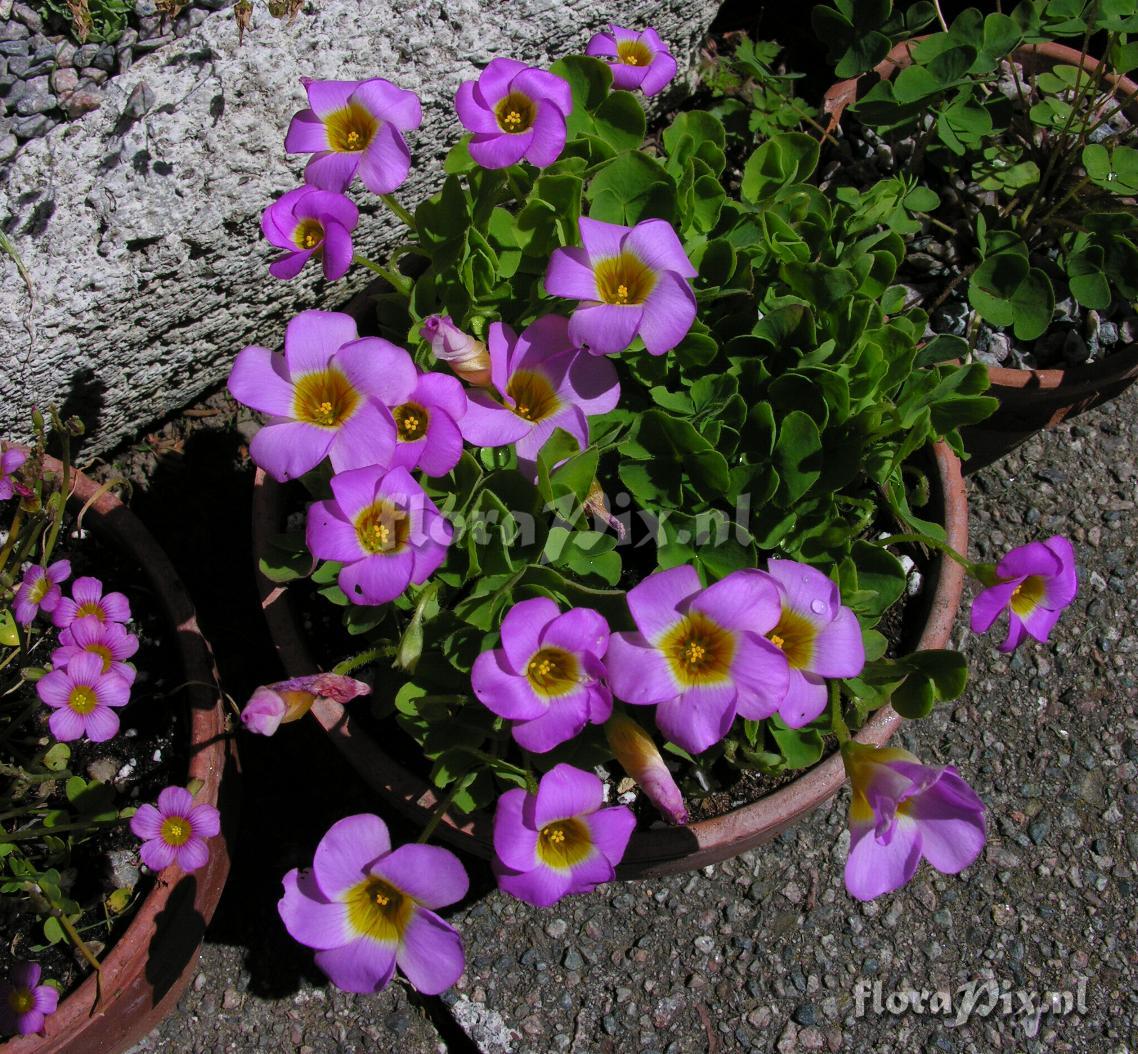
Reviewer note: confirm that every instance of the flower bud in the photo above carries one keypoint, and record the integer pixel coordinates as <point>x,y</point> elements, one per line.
<point>636,751</point>
<point>467,357</point>
<point>264,712</point>
<point>596,505</point>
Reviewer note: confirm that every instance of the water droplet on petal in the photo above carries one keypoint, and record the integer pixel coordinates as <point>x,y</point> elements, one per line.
<point>818,606</point>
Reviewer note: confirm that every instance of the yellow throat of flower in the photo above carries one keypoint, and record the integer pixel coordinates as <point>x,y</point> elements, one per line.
<point>553,672</point>
<point>350,129</point>
<point>384,528</point>
<point>623,280</point>
<point>699,651</point>
<point>325,398</point>
<point>411,422</point>
<point>379,910</point>
<point>515,113</point>
<point>564,843</point>
<point>633,53</point>
<point>794,636</point>
<point>533,395</point>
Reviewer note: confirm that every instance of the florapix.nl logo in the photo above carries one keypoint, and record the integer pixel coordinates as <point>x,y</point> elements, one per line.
<point>984,997</point>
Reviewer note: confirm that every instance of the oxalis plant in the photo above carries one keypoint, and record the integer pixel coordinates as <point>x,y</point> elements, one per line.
<point>626,474</point>
<point>1029,166</point>
<point>66,673</point>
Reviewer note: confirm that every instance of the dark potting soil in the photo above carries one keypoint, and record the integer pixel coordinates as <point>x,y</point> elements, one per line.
<point>148,753</point>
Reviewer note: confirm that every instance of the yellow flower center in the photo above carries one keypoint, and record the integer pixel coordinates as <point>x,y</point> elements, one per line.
<point>90,608</point>
<point>378,910</point>
<point>533,395</point>
<point>350,129</point>
<point>176,830</point>
<point>515,113</point>
<point>553,672</point>
<point>325,398</point>
<point>82,699</point>
<point>21,1000</point>
<point>794,636</point>
<point>564,843</point>
<point>39,590</point>
<point>411,422</point>
<point>623,280</point>
<point>633,53</point>
<point>383,528</point>
<point>103,652</point>
<point>699,650</point>
<point>308,234</point>
<point>1027,595</point>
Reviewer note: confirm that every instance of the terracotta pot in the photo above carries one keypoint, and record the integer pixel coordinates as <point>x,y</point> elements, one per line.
<point>1030,400</point>
<point>657,850</point>
<point>150,964</point>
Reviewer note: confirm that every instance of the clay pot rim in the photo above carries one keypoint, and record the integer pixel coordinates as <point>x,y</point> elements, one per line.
<point>654,850</point>
<point>211,749</point>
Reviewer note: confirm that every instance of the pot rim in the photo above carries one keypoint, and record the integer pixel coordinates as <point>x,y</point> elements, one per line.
<point>176,897</point>
<point>658,849</point>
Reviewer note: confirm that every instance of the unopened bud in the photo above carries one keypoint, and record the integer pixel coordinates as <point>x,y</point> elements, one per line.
<point>597,505</point>
<point>467,357</point>
<point>637,752</point>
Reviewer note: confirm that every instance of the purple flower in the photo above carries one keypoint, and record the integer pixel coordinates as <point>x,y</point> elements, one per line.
<point>10,460</point>
<point>176,831</point>
<point>354,125</point>
<point>818,636</point>
<point>328,396</point>
<point>515,111</point>
<point>384,530</point>
<point>642,60</point>
<point>635,749</point>
<point>465,355</point>
<point>24,1002</point>
<point>83,698</point>
<point>1035,583</point>
<point>548,676</point>
<point>427,435</point>
<point>39,591</point>
<point>272,705</point>
<point>560,840</point>
<point>901,810</point>
<point>307,222</point>
<point>545,383</point>
<point>367,908</point>
<point>87,601</point>
<point>630,280</point>
<point>108,640</point>
<point>701,655</point>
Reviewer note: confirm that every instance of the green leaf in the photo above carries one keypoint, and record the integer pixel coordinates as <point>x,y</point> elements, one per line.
<point>590,81</point>
<point>1115,170</point>
<point>1088,282</point>
<point>801,747</point>
<point>1008,291</point>
<point>784,159</point>
<point>798,454</point>
<point>947,669</point>
<point>57,757</point>
<point>630,188</point>
<point>8,634</point>
<point>619,121</point>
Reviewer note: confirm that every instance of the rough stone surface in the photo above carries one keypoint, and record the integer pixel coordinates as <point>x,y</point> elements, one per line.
<point>141,236</point>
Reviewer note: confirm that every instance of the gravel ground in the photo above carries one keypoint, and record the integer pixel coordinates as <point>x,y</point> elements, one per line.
<point>763,953</point>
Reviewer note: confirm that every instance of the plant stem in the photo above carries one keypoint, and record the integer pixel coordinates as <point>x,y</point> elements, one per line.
<point>439,810</point>
<point>82,949</point>
<point>940,15</point>
<point>354,662</point>
<point>65,488</point>
<point>932,543</point>
<point>399,210</point>
<point>841,729</point>
<point>399,282</point>
<point>39,832</point>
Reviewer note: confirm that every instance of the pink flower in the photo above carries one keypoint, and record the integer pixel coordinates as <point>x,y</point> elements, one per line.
<point>87,601</point>
<point>307,223</point>
<point>10,460</point>
<point>515,111</point>
<point>640,60</point>
<point>176,831</point>
<point>701,656</point>
<point>39,591</point>
<point>427,433</point>
<point>328,396</point>
<point>544,383</point>
<point>558,841</point>
<point>818,636</point>
<point>631,281</point>
<point>84,699</point>
<point>384,531</point>
<point>1034,583</point>
<point>272,705</point>
<point>547,677</point>
<point>355,125</point>
<point>901,811</point>
<point>367,908</point>
<point>108,640</point>
<point>24,1002</point>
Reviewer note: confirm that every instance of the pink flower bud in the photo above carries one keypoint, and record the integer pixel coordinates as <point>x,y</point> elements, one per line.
<point>264,712</point>
<point>467,357</point>
<point>273,705</point>
<point>636,751</point>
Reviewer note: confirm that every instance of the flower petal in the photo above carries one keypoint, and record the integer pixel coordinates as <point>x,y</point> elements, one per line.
<point>378,578</point>
<point>570,275</point>
<point>761,675</point>
<point>806,697</point>
<point>385,163</point>
<point>638,673</point>
<point>699,718</point>
<point>487,423</point>
<point>668,313</point>
<point>602,240</point>
<point>656,603</point>
<point>610,830</point>
<point>656,244</point>
<point>988,603</point>
<point>430,953</point>
<point>346,851</point>
<point>391,104</point>
<point>951,819</point>
<point>290,449</point>
<point>565,792</point>
<point>605,329</point>
<point>548,138</point>
<point>540,887</point>
<point>499,150</point>
<point>310,917</point>
<point>515,843</point>
<point>337,251</point>
<point>503,691</point>
<point>365,966</point>
<point>873,868</point>
<point>365,440</point>
<point>313,337</point>
<point>561,719</point>
<point>331,170</point>
<point>578,630</point>
<point>307,134</point>
<point>254,381</point>
<point>432,875</point>
<point>744,600</point>
<point>660,71</point>
<point>839,650</point>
